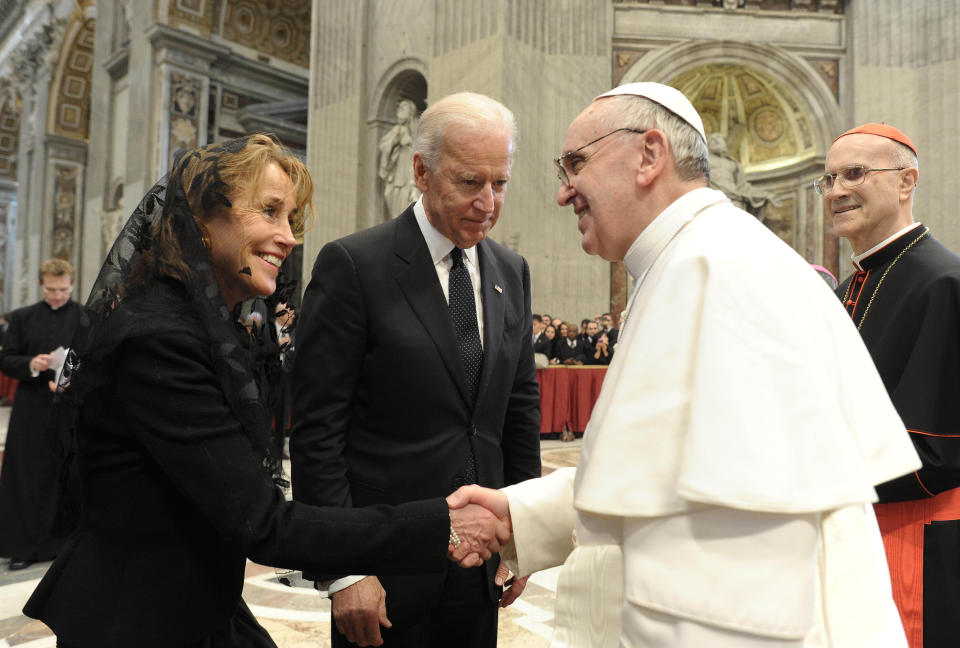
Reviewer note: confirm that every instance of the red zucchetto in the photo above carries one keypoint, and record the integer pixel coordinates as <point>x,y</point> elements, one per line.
<point>883,130</point>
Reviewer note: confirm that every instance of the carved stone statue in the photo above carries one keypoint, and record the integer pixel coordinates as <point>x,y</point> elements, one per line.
<point>727,175</point>
<point>396,160</point>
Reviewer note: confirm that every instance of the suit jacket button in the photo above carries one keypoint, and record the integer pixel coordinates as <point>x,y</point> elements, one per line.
<point>473,430</point>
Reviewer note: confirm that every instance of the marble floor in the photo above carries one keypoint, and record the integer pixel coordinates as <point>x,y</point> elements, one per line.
<point>298,617</point>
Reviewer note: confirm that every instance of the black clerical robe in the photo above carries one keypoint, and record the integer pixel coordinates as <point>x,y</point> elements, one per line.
<point>30,493</point>
<point>905,300</point>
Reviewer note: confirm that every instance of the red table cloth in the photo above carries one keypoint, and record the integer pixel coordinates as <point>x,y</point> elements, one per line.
<point>567,396</point>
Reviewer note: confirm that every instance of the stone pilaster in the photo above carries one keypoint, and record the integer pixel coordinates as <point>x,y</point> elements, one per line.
<point>906,72</point>
<point>336,134</point>
<point>33,63</point>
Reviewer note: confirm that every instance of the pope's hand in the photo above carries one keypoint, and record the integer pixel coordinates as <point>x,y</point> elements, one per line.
<point>514,586</point>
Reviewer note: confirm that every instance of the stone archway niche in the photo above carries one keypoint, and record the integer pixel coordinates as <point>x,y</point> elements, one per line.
<point>405,83</point>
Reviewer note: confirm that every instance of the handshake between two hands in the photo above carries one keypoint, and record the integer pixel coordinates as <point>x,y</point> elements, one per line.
<point>480,517</point>
<point>480,521</point>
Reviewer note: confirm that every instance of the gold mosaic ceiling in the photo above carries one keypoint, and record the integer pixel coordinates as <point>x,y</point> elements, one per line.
<point>760,118</point>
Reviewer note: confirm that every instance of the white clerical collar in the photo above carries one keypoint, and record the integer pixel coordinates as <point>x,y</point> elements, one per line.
<point>857,258</point>
<point>648,246</point>
<point>438,244</point>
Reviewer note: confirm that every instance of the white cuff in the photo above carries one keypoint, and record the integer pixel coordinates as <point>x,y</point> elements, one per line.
<point>342,583</point>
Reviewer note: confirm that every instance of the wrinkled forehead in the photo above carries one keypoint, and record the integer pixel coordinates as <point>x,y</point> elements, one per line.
<point>860,148</point>
<point>469,145</point>
<point>588,125</point>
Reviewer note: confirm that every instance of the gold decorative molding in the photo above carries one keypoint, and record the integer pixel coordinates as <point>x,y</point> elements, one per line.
<point>278,28</point>
<point>67,179</point>
<point>760,118</point>
<point>71,107</point>
<point>9,140</point>
<point>829,71</point>
<point>622,60</point>
<point>193,15</point>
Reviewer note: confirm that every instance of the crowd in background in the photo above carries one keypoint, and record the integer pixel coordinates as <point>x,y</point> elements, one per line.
<point>557,342</point>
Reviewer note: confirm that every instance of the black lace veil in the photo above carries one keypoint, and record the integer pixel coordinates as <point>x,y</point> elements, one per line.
<point>134,262</point>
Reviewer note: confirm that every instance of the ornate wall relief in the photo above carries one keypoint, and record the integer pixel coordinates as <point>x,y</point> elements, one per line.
<point>70,108</point>
<point>193,15</point>
<point>184,109</point>
<point>278,28</point>
<point>829,71</point>
<point>66,200</point>
<point>9,134</point>
<point>760,118</point>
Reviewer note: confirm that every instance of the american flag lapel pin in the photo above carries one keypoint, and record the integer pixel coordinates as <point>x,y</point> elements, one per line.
<point>497,288</point>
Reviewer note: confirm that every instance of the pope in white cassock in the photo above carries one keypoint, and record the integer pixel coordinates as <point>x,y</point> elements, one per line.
<point>723,495</point>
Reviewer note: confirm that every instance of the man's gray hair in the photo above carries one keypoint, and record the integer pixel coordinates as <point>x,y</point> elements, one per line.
<point>461,109</point>
<point>691,157</point>
<point>903,156</point>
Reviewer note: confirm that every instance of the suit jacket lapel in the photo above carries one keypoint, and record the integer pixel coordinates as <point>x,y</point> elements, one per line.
<point>492,312</point>
<point>417,279</point>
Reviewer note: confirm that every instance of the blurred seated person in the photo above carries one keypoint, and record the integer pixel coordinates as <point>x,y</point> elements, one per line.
<point>541,360</point>
<point>589,341</point>
<point>570,350</point>
<point>608,327</point>
<point>543,343</point>
<point>537,327</point>
<point>550,335</point>
<point>602,352</point>
<point>583,327</point>
<point>560,338</point>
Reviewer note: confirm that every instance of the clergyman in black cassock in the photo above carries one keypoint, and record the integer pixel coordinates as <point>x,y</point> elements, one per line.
<point>30,491</point>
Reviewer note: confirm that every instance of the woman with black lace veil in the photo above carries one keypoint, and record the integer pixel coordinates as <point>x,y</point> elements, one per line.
<point>175,459</point>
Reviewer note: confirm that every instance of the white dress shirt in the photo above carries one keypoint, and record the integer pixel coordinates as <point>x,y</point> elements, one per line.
<point>440,247</point>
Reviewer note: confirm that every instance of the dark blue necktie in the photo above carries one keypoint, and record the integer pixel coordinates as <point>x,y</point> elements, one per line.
<point>463,312</point>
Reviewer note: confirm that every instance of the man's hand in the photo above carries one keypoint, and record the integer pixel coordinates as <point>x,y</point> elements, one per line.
<point>514,585</point>
<point>360,610</point>
<point>481,518</point>
<point>40,362</point>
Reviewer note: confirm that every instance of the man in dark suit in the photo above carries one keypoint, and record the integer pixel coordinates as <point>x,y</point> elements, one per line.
<point>570,350</point>
<point>415,374</point>
<point>541,343</point>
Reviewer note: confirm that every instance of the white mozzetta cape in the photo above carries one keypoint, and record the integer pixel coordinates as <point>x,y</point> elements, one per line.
<point>738,380</point>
